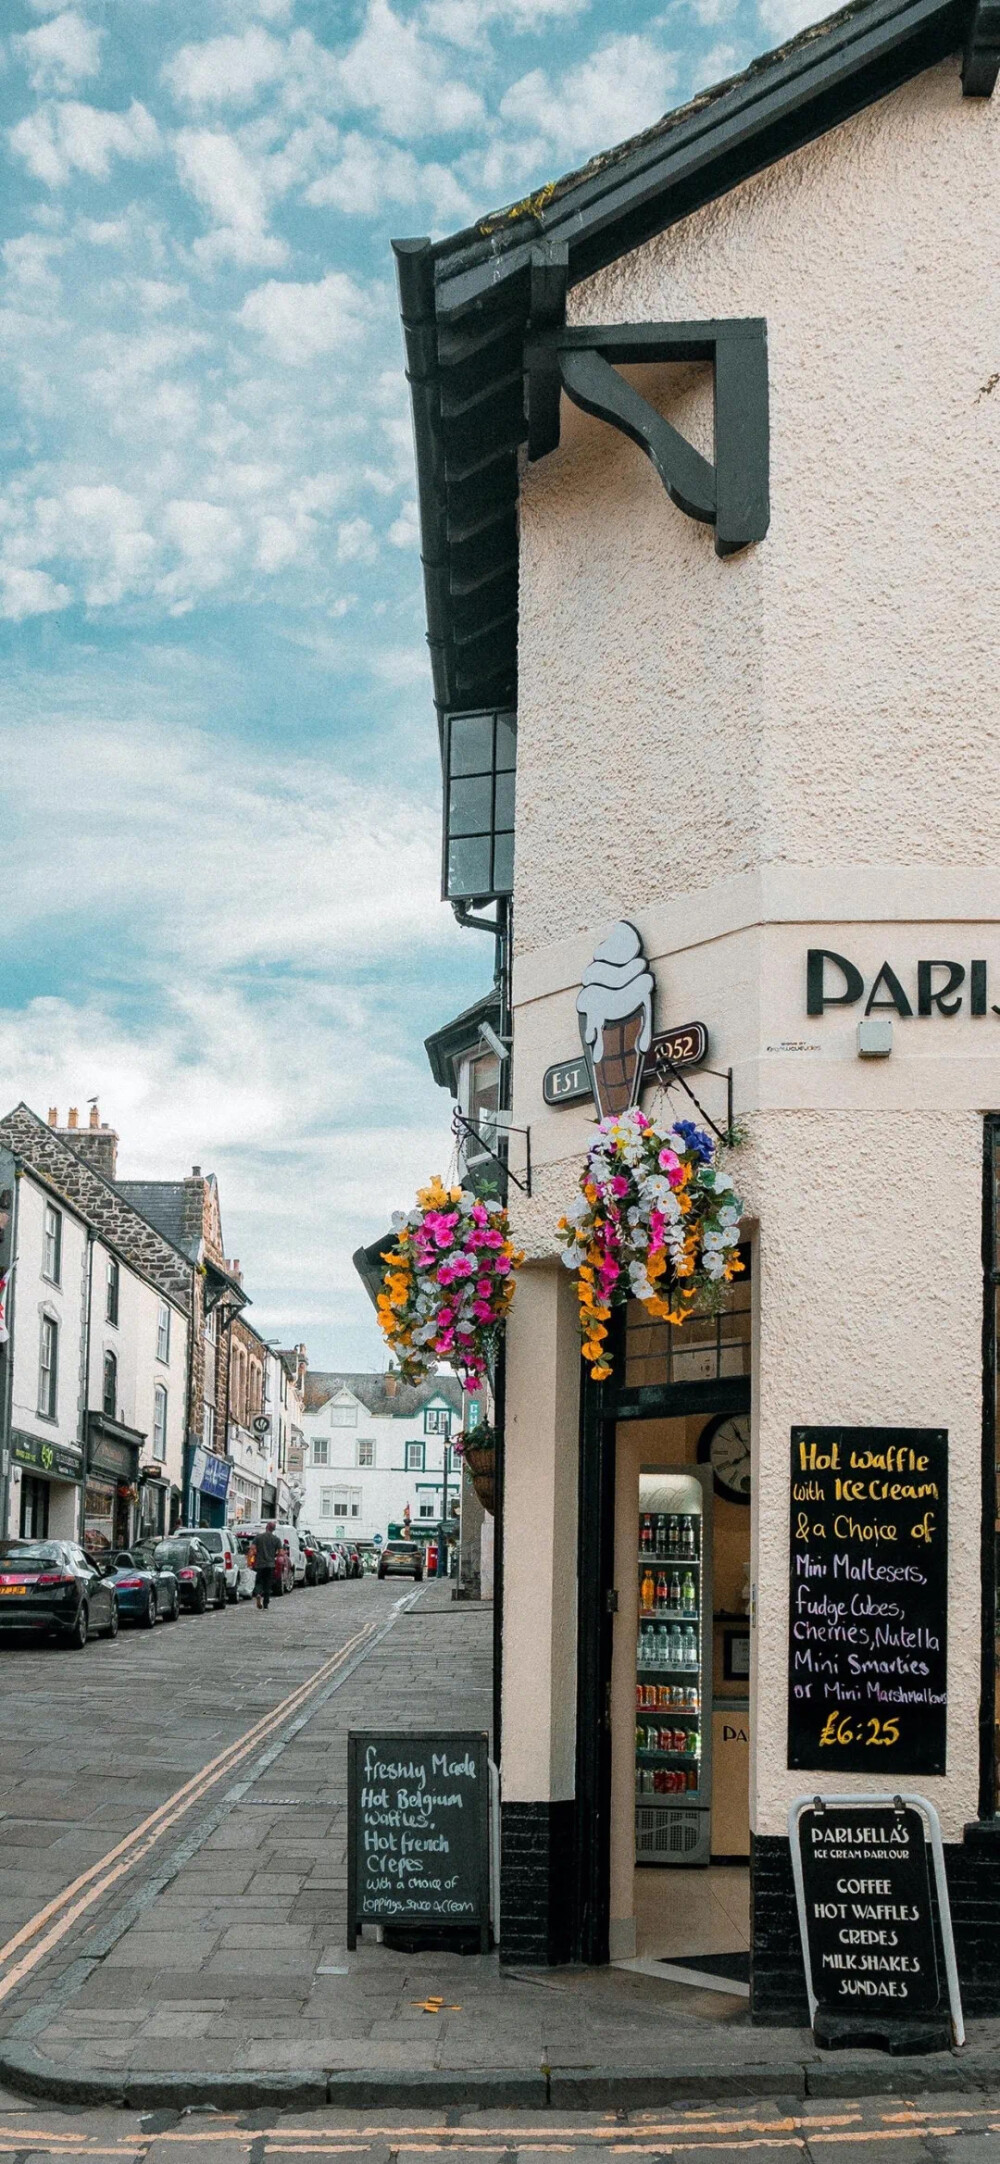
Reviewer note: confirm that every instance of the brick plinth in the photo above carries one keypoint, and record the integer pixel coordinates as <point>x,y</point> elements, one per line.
<point>537,1850</point>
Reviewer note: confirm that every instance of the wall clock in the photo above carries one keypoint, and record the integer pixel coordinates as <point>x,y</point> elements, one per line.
<point>725,1445</point>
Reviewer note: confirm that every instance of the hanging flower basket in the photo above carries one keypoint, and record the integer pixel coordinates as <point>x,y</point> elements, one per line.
<point>478,1450</point>
<point>656,1220</point>
<point>447,1284</point>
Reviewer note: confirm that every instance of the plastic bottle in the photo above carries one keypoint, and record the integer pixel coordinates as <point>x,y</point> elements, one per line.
<point>662,1596</point>
<point>689,1593</point>
<point>647,1592</point>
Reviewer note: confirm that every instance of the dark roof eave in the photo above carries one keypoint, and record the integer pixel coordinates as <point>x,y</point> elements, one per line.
<point>448,1043</point>
<point>784,99</point>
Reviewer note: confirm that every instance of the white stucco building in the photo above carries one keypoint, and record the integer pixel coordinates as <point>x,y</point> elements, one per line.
<point>376,1449</point>
<point>750,678</point>
<point>98,1306</point>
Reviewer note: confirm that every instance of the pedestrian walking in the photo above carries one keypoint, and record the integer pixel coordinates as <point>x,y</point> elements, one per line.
<point>265,1555</point>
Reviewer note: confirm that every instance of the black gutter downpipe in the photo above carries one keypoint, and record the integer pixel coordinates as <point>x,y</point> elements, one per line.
<point>85,1406</point>
<point>415,278</point>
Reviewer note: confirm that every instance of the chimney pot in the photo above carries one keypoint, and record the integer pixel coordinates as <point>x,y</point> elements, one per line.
<point>53,1115</point>
<point>196,1172</point>
<point>73,1119</point>
<point>95,1119</point>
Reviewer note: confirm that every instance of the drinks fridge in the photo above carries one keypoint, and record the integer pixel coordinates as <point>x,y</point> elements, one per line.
<point>673,1675</point>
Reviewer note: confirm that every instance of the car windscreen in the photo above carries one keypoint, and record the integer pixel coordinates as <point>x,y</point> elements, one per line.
<point>211,1540</point>
<point>29,1552</point>
<point>173,1551</point>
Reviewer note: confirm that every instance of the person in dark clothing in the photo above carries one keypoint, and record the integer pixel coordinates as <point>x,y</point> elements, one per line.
<point>265,1557</point>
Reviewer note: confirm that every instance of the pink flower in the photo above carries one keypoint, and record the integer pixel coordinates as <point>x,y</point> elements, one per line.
<point>618,1184</point>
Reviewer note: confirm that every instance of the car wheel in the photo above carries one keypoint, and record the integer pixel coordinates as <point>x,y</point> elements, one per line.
<point>233,1593</point>
<point>111,1627</point>
<point>149,1618</point>
<point>418,1574</point>
<point>77,1637</point>
<point>175,1608</point>
<point>221,1597</point>
<point>201,1598</point>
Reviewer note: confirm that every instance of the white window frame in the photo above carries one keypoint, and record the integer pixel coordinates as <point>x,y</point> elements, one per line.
<point>52,1237</point>
<point>415,1463</point>
<point>160,1405</point>
<point>426,1510</point>
<point>437,1420</point>
<point>48,1370</point>
<point>343,1416</point>
<point>208,1424</point>
<point>112,1291</point>
<point>163,1333</point>
<point>321,1450</point>
<point>366,1444</point>
<point>341,1502</point>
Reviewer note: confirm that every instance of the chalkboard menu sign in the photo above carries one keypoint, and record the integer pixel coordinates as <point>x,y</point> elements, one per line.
<point>868,1930</point>
<point>867,1633</point>
<point>418,1823</point>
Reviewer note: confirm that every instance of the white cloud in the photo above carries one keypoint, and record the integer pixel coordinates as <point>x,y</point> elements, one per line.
<point>464,22</point>
<point>780,19</point>
<point>226,70</point>
<point>28,592</point>
<point>61,53</point>
<point>230,187</point>
<point>356,543</point>
<point>102,526</point>
<point>206,536</point>
<point>301,321</point>
<point>278,544</point>
<point>58,139</point>
<point>620,88</point>
<point>404,533</point>
<point>393,70</point>
<point>369,174</point>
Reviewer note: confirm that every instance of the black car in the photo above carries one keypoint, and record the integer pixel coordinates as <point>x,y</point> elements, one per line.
<point>52,1586</point>
<point>146,1591</point>
<point>201,1576</point>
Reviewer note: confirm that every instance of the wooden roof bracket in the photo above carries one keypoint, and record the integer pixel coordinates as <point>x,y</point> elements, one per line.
<point>981,59</point>
<point>732,493</point>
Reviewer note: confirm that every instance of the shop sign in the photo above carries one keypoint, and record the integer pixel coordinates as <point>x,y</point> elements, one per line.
<point>865,1916</point>
<point>209,1474</point>
<point>44,1457</point>
<point>620,1054</point>
<point>418,1830</point>
<point>113,1457</point>
<point>940,988</point>
<point>867,1639</point>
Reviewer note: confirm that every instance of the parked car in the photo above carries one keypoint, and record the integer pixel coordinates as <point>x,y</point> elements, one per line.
<point>401,1559</point>
<point>145,1590</point>
<point>220,1541</point>
<point>200,1575</point>
<point>51,1585</point>
<point>334,1562</point>
<point>317,1571</point>
<point>368,1553</point>
<point>357,1568</point>
<point>284,1579</point>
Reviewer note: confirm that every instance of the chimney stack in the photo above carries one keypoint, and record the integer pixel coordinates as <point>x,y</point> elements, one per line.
<point>97,1143</point>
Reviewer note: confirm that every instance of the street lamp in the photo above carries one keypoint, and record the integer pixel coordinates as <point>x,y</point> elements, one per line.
<point>442,1546</point>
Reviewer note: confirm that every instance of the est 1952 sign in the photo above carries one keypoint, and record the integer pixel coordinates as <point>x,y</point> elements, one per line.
<point>867,1635</point>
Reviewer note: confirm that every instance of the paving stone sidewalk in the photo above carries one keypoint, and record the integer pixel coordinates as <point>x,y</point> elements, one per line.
<point>238,1968</point>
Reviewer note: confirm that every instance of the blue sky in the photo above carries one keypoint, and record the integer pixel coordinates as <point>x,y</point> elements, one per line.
<point>220,784</point>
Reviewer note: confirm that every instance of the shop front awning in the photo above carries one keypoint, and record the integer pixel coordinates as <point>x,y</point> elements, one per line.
<point>112,1447</point>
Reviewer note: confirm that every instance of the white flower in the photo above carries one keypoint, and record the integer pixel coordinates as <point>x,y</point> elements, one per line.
<point>570,1258</point>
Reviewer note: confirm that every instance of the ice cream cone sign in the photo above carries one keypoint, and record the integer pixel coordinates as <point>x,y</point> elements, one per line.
<point>615,1008</point>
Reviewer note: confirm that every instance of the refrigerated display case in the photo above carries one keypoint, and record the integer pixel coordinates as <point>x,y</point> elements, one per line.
<point>673,1676</point>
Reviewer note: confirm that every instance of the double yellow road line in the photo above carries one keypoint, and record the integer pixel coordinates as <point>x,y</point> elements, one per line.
<point>34,1940</point>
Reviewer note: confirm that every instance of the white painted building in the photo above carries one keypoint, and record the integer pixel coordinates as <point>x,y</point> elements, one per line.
<point>375,1448</point>
<point>98,1307</point>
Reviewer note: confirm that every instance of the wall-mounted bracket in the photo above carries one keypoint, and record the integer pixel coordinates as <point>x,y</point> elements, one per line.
<point>730,493</point>
<point>465,1130</point>
<point>981,59</point>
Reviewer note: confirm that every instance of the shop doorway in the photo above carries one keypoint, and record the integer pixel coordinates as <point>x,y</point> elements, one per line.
<point>668,1458</point>
<point>34,1518</point>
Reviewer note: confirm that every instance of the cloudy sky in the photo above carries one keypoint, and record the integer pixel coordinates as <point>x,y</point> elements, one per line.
<point>219,777</point>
